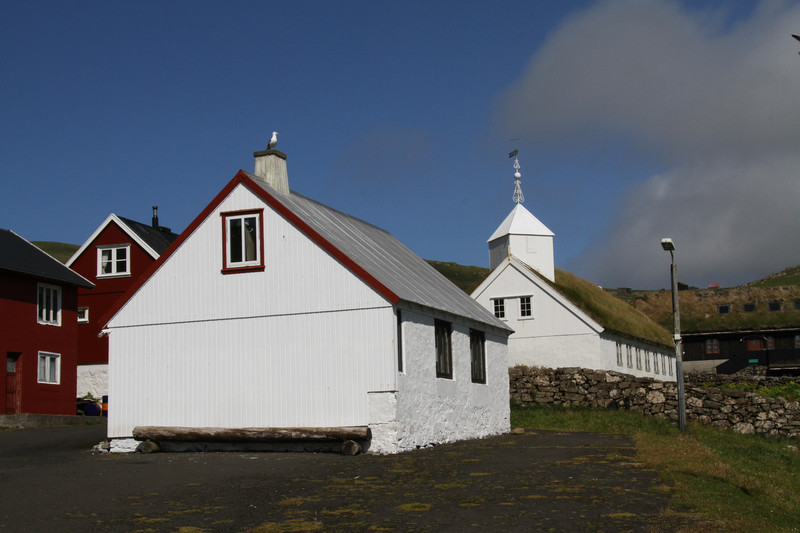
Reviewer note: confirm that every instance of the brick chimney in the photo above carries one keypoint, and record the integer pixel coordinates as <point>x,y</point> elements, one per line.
<point>271,169</point>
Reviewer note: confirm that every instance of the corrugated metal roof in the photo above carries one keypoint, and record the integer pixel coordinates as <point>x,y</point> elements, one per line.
<point>158,239</point>
<point>20,256</point>
<point>384,257</point>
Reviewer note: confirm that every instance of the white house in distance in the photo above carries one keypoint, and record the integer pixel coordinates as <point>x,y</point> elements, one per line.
<point>274,314</point>
<point>560,320</point>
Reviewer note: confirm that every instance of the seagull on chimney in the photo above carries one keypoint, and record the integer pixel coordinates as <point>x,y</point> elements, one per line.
<point>273,141</point>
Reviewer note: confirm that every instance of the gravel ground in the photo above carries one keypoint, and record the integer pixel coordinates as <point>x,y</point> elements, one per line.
<point>537,481</point>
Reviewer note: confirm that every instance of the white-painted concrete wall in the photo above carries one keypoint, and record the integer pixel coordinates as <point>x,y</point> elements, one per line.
<point>431,410</point>
<point>92,380</point>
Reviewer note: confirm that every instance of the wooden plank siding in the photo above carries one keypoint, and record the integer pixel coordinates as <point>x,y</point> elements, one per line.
<point>299,344</point>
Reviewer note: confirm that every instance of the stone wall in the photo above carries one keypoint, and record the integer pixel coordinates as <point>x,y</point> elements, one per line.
<point>743,412</point>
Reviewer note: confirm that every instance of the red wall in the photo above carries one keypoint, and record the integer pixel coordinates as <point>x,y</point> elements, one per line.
<point>20,332</point>
<point>91,348</point>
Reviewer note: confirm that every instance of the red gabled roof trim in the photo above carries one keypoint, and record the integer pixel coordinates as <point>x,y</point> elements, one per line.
<point>242,178</point>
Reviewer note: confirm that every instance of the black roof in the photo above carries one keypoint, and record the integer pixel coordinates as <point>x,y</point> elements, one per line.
<point>158,239</point>
<point>20,256</point>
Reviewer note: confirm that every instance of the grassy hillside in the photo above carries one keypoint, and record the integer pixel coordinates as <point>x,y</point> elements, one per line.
<point>466,278</point>
<point>59,250</point>
<point>785,278</point>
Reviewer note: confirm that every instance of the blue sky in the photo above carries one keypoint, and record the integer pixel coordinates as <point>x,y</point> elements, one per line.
<point>637,120</point>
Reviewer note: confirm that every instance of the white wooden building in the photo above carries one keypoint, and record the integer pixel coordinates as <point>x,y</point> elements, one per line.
<point>272,310</point>
<point>550,329</point>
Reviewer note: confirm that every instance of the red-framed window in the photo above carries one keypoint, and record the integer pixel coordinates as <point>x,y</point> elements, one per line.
<point>243,241</point>
<point>712,346</point>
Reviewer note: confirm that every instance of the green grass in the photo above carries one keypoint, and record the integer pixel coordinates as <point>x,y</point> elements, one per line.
<point>59,250</point>
<point>790,391</point>
<point>732,482</point>
<point>789,276</point>
<point>466,278</point>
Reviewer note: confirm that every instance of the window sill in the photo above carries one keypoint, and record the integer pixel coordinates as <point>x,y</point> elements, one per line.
<point>107,276</point>
<point>237,270</point>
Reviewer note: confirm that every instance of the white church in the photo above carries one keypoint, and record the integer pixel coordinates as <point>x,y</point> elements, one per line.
<point>552,330</point>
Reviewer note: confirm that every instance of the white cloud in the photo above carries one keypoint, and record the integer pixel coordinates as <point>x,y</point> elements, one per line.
<point>715,97</point>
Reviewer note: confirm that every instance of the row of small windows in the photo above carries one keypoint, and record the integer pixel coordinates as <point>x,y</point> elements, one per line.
<point>753,344</point>
<point>443,335</point>
<point>525,307</point>
<point>626,353</point>
<point>724,309</point>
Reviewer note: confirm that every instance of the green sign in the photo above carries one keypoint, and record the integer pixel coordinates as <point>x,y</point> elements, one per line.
<point>753,361</point>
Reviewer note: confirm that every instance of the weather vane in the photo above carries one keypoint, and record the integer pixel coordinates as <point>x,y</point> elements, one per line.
<point>518,196</point>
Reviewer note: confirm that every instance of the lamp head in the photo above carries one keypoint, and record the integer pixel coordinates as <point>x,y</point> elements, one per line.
<point>667,245</point>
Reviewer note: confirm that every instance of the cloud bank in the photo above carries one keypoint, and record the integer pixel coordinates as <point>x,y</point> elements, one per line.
<point>714,96</point>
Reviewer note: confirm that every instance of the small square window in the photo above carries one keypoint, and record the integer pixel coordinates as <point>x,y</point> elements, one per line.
<point>242,241</point>
<point>113,261</point>
<point>499,308</point>
<point>712,346</point>
<point>774,306</point>
<point>83,315</point>
<point>749,308</point>
<point>49,368</point>
<point>724,309</point>
<point>525,307</point>
<point>797,305</point>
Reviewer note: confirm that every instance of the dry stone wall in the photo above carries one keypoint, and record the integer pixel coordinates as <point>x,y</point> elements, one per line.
<point>743,412</point>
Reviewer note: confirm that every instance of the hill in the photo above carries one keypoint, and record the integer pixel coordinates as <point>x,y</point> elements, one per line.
<point>59,250</point>
<point>466,278</point>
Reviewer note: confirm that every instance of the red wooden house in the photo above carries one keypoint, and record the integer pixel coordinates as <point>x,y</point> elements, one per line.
<point>113,257</point>
<point>38,329</point>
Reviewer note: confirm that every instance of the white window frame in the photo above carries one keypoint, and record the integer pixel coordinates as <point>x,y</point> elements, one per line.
<point>619,354</point>
<point>638,358</point>
<point>629,355</point>
<point>113,260</point>
<point>243,264</point>
<point>83,315</point>
<point>49,368</point>
<point>48,304</point>
<point>499,308</point>
<point>525,302</point>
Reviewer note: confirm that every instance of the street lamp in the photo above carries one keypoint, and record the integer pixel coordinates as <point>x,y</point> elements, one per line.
<point>669,246</point>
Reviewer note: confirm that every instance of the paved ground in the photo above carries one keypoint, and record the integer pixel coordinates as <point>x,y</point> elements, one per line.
<point>539,481</point>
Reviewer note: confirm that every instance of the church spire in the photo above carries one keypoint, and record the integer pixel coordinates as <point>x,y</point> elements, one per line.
<point>518,196</point>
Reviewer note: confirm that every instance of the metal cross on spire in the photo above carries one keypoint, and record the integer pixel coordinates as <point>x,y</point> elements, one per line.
<point>518,196</point>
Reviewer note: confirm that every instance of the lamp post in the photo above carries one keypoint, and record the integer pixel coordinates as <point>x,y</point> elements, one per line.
<point>669,246</point>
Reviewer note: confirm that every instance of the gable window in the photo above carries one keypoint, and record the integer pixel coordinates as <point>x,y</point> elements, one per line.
<point>499,308</point>
<point>83,315</point>
<point>49,368</point>
<point>749,308</point>
<point>243,244</point>
<point>444,349</point>
<point>477,349</point>
<point>712,346</point>
<point>525,309</point>
<point>48,307</point>
<point>724,309</point>
<point>113,261</point>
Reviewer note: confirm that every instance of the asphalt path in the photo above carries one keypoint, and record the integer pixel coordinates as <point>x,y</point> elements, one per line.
<point>50,480</point>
